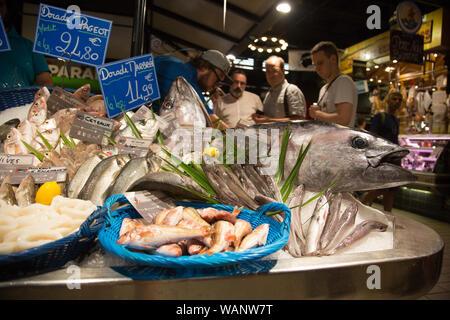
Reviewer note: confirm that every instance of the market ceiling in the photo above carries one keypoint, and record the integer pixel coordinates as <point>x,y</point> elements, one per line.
<point>201,24</point>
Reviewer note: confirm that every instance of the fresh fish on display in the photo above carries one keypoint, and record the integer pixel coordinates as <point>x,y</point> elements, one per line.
<point>26,192</point>
<point>184,106</point>
<point>332,220</point>
<point>48,124</point>
<point>105,179</point>
<point>128,225</point>
<point>134,170</point>
<point>13,143</point>
<point>5,128</point>
<point>42,93</point>
<point>296,243</point>
<point>173,216</point>
<point>358,160</point>
<point>153,236</point>
<point>223,236</point>
<point>345,223</point>
<point>192,215</point>
<point>38,112</point>
<point>316,226</point>
<point>258,237</point>
<point>64,119</point>
<point>169,250</point>
<point>211,215</point>
<point>51,135</point>
<point>7,192</point>
<point>82,175</point>
<point>195,247</point>
<point>169,182</point>
<point>359,232</point>
<point>83,92</point>
<point>241,229</point>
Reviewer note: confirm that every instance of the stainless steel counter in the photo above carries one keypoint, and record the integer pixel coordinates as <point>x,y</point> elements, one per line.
<point>408,271</point>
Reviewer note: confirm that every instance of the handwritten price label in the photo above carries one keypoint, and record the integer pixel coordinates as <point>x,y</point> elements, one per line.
<point>4,44</point>
<point>128,84</point>
<point>84,41</point>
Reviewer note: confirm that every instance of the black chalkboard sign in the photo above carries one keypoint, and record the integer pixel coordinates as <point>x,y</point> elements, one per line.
<point>406,47</point>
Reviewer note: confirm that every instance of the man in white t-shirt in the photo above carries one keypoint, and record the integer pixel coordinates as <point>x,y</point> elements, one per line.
<point>338,98</point>
<point>238,106</point>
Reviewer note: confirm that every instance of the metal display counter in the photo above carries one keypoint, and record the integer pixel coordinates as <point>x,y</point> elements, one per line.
<point>408,271</point>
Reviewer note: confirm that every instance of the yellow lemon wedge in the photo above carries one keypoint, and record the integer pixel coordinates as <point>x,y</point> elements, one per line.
<point>47,192</point>
<point>212,151</point>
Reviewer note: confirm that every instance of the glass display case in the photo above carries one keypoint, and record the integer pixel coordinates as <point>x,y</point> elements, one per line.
<point>428,153</point>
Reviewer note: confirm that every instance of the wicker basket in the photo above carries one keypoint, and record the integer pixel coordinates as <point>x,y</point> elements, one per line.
<point>53,255</point>
<point>277,238</point>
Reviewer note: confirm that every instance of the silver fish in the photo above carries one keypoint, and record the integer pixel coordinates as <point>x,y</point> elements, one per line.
<point>7,192</point>
<point>168,182</point>
<point>104,181</point>
<point>359,232</point>
<point>316,226</point>
<point>296,242</point>
<point>38,111</point>
<point>6,127</point>
<point>332,220</point>
<point>25,193</point>
<point>345,223</point>
<point>82,175</point>
<point>134,170</point>
<point>358,160</point>
<point>183,102</point>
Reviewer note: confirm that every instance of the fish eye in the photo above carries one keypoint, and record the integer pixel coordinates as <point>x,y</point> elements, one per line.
<point>359,143</point>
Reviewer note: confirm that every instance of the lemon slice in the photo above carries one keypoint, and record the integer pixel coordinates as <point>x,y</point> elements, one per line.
<point>212,151</point>
<point>47,192</point>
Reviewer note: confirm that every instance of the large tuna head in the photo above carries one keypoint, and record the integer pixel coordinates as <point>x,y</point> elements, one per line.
<point>357,159</point>
<point>185,105</point>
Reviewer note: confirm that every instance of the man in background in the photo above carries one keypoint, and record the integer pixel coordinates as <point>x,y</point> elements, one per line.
<point>284,101</point>
<point>338,98</point>
<point>238,106</point>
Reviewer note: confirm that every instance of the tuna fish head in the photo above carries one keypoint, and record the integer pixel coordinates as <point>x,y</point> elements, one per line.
<point>356,159</point>
<point>183,101</point>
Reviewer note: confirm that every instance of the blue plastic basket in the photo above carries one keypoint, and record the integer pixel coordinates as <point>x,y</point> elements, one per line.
<point>277,238</point>
<point>15,97</point>
<point>52,255</point>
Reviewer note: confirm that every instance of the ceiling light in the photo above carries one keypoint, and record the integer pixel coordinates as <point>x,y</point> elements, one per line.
<point>231,57</point>
<point>394,61</point>
<point>376,66</point>
<point>261,44</point>
<point>260,49</point>
<point>263,38</point>
<point>379,81</point>
<point>274,39</point>
<point>371,80</point>
<point>284,7</point>
<point>277,49</point>
<point>269,50</point>
<point>367,69</point>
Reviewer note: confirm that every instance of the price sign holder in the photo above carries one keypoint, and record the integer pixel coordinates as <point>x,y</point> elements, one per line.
<point>4,43</point>
<point>128,84</point>
<point>61,32</point>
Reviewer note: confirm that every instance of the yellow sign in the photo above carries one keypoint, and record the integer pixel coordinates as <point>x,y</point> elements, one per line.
<point>426,30</point>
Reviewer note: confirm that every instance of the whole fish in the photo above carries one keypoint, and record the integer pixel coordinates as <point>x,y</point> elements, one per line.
<point>223,192</point>
<point>223,236</point>
<point>38,112</point>
<point>88,188</point>
<point>134,170</point>
<point>358,160</point>
<point>329,230</point>
<point>153,236</point>
<point>83,92</point>
<point>211,215</point>
<point>25,193</point>
<point>5,128</point>
<point>7,192</point>
<point>185,106</point>
<point>296,241</point>
<point>106,179</point>
<point>359,232</point>
<point>316,226</point>
<point>82,175</point>
<point>128,225</point>
<point>169,182</point>
<point>241,229</point>
<point>345,223</point>
<point>13,143</point>
<point>258,237</point>
<point>52,137</point>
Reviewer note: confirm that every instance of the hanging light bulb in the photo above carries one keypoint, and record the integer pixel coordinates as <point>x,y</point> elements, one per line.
<point>284,7</point>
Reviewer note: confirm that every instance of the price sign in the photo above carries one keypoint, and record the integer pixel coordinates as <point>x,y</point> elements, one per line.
<point>89,128</point>
<point>128,84</point>
<point>62,33</point>
<point>4,44</point>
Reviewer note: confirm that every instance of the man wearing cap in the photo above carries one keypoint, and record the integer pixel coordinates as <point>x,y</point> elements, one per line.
<point>284,101</point>
<point>204,73</point>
